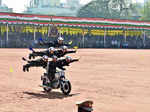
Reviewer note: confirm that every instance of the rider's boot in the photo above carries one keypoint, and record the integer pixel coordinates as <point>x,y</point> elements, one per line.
<point>27,69</point>
<point>24,69</point>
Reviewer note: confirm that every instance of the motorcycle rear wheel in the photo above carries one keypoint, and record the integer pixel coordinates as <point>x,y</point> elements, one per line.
<point>46,88</point>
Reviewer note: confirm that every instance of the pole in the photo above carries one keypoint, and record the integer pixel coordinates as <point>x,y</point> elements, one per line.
<point>136,41</point>
<point>144,40</point>
<point>51,19</point>
<point>1,43</point>
<point>83,38</point>
<point>125,36</point>
<point>49,31</point>
<point>34,33</point>
<point>60,34</point>
<point>104,37</point>
<point>7,33</point>
<point>49,28</point>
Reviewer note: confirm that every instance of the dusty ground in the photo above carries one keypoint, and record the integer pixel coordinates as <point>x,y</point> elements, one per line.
<point>116,80</point>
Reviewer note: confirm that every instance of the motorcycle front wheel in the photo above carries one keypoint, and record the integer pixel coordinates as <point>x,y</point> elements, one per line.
<point>66,87</point>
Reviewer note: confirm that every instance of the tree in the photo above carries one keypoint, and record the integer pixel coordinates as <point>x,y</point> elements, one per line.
<point>98,8</point>
<point>135,13</point>
<point>107,9</point>
<point>146,11</point>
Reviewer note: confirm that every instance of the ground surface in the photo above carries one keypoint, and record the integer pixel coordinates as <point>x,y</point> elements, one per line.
<point>116,80</point>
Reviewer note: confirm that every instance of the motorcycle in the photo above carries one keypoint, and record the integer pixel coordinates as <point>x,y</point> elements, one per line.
<point>58,82</point>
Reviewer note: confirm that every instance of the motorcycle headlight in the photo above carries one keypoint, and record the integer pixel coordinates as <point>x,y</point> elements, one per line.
<point>57,76</point>
<point>62,73</point>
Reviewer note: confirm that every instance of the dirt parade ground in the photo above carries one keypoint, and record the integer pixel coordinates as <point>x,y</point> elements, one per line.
<point>117,80</point>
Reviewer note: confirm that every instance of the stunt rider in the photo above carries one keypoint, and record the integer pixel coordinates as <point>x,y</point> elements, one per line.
<point>59,53</point>
<point>50,52</point>
<point>42,62</point>
<point>52,65</point>
<point>49,65</point>
<point>63,51</point>
<point>51,68</point>
<point>66,62</point>
<point>58,43</point>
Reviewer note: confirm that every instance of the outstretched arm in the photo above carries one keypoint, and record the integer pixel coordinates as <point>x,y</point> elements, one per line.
<point>59,53</point>
<point>74,60</point>
<point>63,63</point>
<point>61,67</point>
<point>36,63</point>
<point>68,52</point>
<point>35,54</point>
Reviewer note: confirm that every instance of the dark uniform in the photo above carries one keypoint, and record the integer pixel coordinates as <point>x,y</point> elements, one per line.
<point>51,69</point>
<point>85,106</point>
<point>36,63</point>
<point>63,62</point>
<point>40,53</point>
<point>58,53</point>
<point>55,44</point>
<point>51,66</point>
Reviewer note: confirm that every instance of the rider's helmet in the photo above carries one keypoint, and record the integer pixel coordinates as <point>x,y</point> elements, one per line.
<point>51,50</point>
<point>60,40</point>
<point>64,48</point>
<point>54,58</point>
<point>85,106</point>
<point>45,58</point>
<point>68,58</point>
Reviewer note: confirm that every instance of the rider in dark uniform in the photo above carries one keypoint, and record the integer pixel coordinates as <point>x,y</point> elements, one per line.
<point>66,62</point>
<point>51,51</point>
<point>42,62</point>
<point>50,65</point>
<point>64,50</point>
<point>51,68</point>
<point>55,44</point>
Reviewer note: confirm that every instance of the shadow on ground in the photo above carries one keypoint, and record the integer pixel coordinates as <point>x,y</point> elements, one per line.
<point>50,95</point>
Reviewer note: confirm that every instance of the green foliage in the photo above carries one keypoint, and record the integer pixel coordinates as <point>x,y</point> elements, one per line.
<point>94,9</point>
<point>122,9</point>
<point>146,11</point>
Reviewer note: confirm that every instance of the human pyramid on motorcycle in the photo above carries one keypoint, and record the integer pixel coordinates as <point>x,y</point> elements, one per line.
<point>54,78</point>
